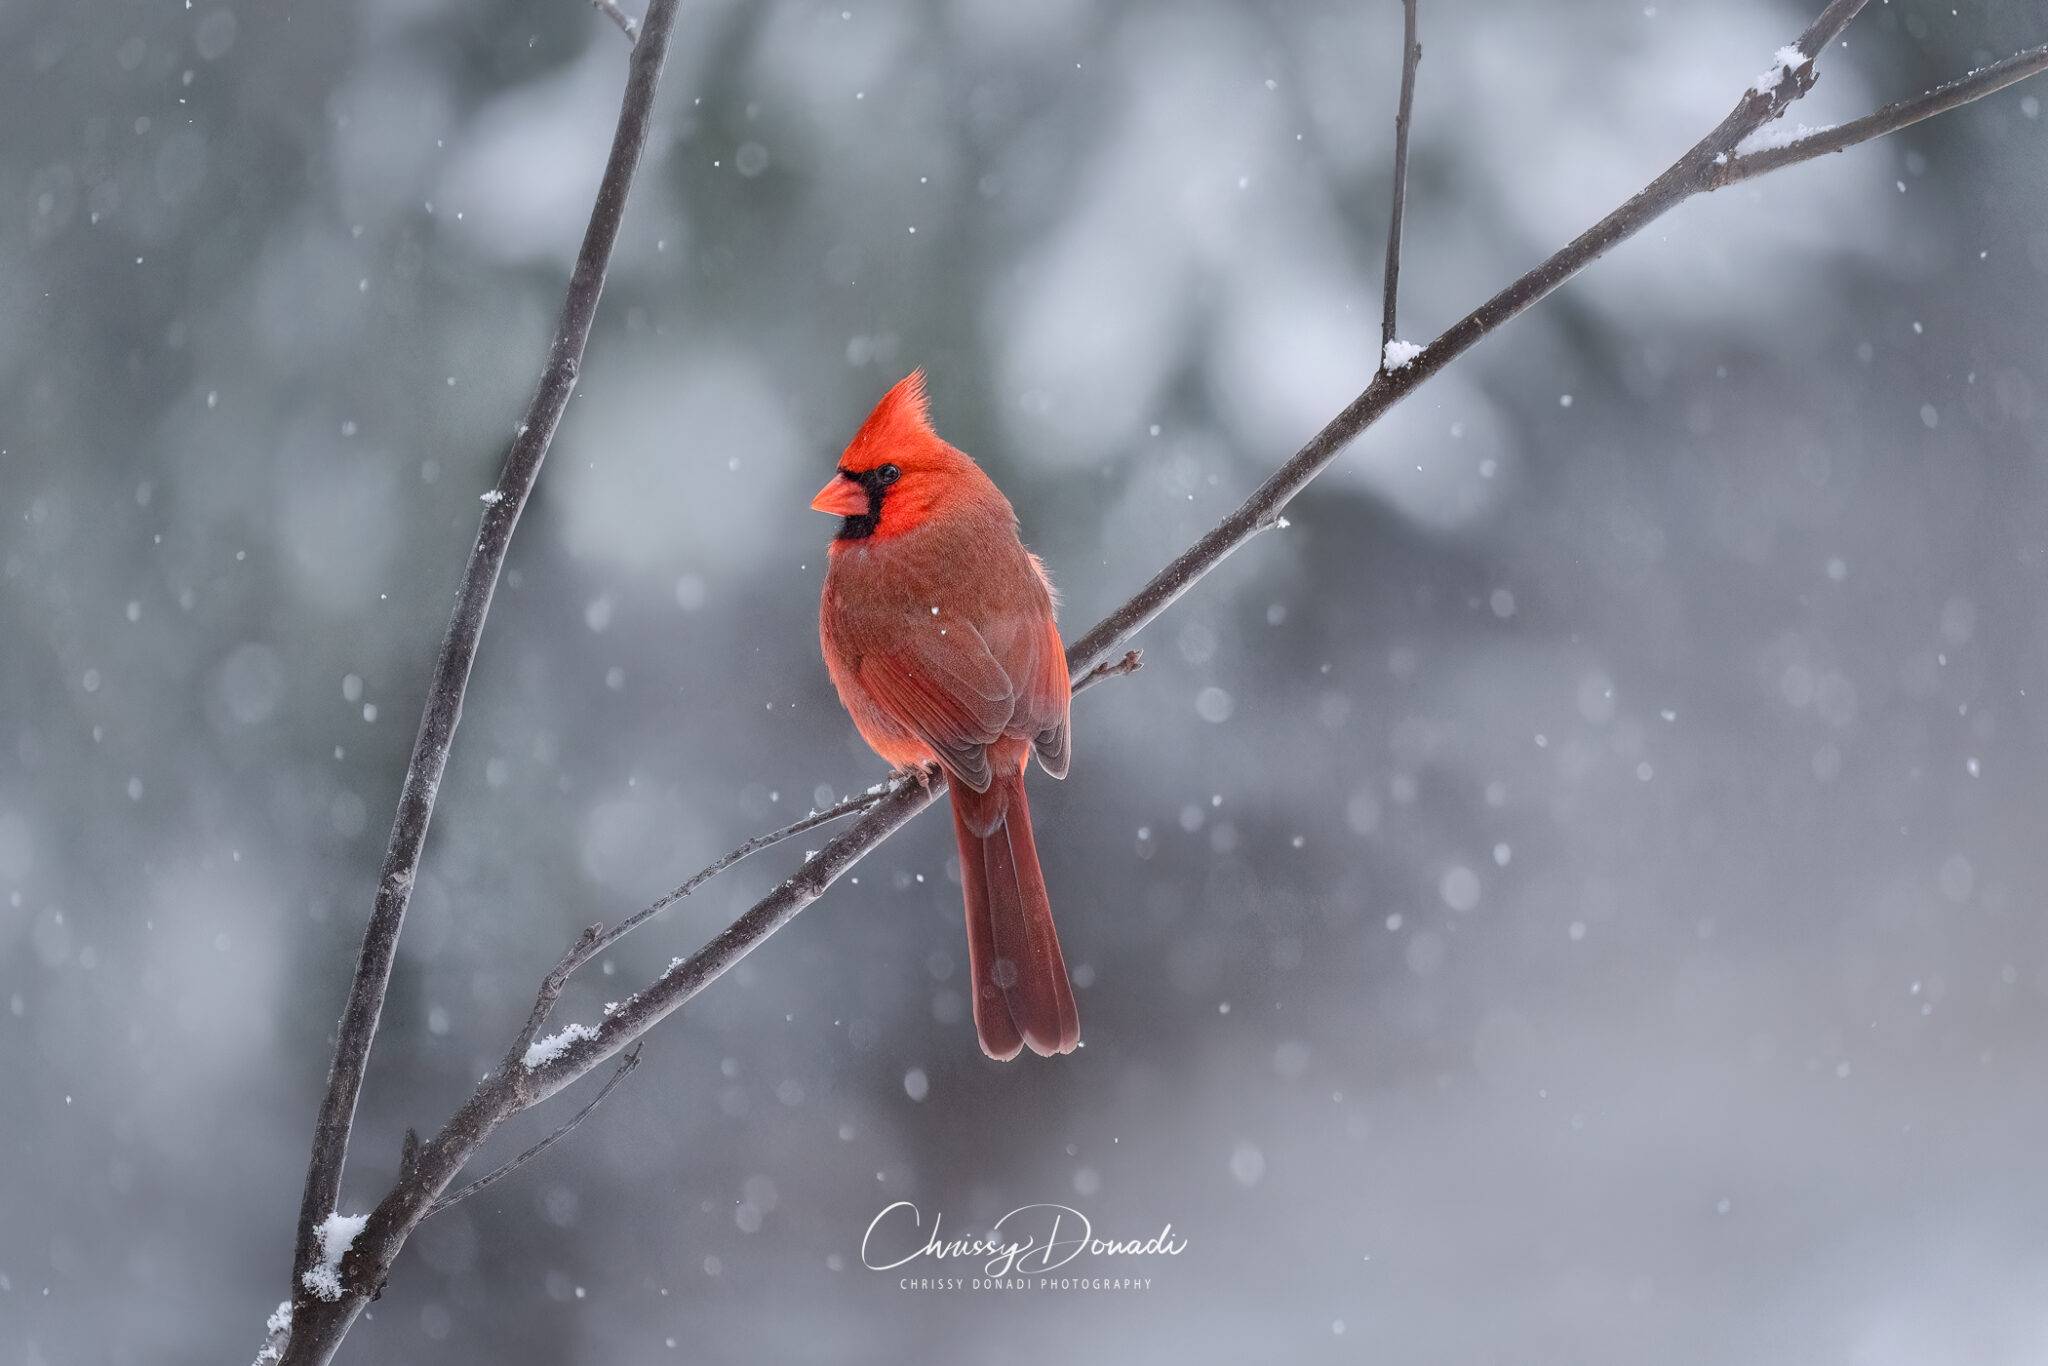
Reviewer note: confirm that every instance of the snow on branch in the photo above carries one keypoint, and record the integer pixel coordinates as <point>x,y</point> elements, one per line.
<point>337,1234</point>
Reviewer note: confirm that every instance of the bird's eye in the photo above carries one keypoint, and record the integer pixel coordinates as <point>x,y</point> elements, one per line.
<point>888,474</point>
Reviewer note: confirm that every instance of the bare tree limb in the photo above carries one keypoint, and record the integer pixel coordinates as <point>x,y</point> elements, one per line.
<point>618,16</point>
<point>626,1064</point>
<point>535,1069</point>
<point>1390,289</point>
<point>1985,80</point>
<point>317,1325</point>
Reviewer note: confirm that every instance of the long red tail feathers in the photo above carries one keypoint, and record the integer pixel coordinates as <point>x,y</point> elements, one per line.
<point>1021,993</point>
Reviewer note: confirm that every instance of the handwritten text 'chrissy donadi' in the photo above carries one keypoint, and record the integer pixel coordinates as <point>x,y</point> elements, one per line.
<point>1026,1241</point>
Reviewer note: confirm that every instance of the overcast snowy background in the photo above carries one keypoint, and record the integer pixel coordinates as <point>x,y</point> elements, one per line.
<point>1573,897</point>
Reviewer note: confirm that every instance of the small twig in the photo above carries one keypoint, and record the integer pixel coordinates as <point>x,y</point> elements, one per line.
<point>626,1064</point>
<point>1390,290</point>
<point>1985,80</point>
<point>618,16</point>
<point>1132,661</point>
<point>837,811</point>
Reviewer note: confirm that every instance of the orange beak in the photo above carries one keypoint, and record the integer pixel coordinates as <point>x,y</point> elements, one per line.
<point>842,498</point>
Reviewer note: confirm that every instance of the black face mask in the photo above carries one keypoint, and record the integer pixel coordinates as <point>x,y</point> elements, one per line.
<point>876,482</point>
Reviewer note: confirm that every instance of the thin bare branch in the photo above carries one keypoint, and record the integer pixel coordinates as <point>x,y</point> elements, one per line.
<point>1985,80</point>
<point>318,1325</point>
<point>618,16</point>
<point>1390,289</point>
<point>837,811</point>
<point>626,1064</point>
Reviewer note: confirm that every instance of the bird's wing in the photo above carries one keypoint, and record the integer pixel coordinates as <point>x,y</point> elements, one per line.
<point>949,691</point>
<point>1043,698</point>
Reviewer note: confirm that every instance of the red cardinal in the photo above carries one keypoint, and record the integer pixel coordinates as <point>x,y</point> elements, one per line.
<point>938,629</point>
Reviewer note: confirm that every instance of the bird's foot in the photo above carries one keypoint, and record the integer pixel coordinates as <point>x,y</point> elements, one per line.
<point>924,775</point>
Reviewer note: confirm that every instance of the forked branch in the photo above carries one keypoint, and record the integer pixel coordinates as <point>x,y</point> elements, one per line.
<point>1985,80</point>
<point>626,1065</point>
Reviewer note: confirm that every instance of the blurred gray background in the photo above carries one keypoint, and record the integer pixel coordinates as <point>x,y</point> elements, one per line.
<point>1573,897</point>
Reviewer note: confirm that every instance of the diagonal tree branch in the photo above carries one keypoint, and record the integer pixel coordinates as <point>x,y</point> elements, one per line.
<point>503,505</point>
<point>536,1068</point>
<point>1390,289</point>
